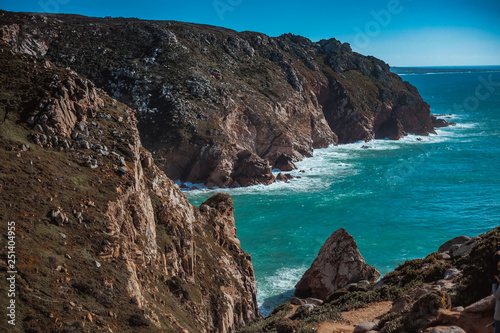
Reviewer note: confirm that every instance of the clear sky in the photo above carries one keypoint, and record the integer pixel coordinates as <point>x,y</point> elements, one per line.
<point>400,32</point>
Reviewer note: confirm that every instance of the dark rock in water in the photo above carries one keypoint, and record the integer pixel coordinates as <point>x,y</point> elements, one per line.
<point>284,177</point>
<point>281,177</point>
<point>438,122</point>
<point>338,264</point>
<point>284,163</point>
<point>250,169</point>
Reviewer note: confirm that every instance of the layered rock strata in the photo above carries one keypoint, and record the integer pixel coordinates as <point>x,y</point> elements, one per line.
<point>214,104</point>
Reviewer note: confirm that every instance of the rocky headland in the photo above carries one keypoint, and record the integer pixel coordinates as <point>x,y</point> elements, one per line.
<point>104,241</point>
<point>221,107</point>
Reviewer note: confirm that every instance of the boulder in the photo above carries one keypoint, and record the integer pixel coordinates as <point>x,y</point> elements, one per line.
<point>365,327</point>
<point>458,251</point>
<point>399,304</point>
<point>487,304</point>
<point>313,301</point>
<point>284,177</point>
<point>446,285</point>
<point>338,264</point>
<point>425,290</point>
<point>297,301</point>
<point>457,240</point>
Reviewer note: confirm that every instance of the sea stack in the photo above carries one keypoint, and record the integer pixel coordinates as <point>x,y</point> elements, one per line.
<point>338,264</point>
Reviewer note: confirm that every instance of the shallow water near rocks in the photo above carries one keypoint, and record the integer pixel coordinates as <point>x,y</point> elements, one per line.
<point>399,199</point>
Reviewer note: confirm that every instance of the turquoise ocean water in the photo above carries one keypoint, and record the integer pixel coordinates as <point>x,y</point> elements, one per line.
<point>399,199</point>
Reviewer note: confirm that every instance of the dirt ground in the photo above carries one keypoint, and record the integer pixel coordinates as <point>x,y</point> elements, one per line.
<point>353,318</point>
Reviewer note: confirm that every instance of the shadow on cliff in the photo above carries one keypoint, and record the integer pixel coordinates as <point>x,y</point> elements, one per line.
<point>272,302</point>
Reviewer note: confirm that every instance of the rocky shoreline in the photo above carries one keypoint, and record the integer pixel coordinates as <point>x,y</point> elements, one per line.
<point>224,108</point>
<point>107,242</point>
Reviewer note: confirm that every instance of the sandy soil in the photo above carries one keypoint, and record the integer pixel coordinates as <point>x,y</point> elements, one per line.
<point>353,318</point>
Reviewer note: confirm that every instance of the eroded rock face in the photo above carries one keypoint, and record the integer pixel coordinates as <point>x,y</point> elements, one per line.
<point>128,248</point>
<point>338,264</point>
<point>205,95</point>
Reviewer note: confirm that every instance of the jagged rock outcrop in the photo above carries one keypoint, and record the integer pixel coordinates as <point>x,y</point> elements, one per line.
<point>439,293</point>
<point>207,96</point>
<point>106,242</point>
<point>338,264</point>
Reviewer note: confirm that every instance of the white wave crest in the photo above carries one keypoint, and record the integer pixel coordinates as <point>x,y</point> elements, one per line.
<point>277,288</point>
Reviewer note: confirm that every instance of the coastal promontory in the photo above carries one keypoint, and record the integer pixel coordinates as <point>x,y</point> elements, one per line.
<point>221,107</point>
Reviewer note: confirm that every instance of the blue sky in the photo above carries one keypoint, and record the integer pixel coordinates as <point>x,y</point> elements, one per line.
<point>400,32</point>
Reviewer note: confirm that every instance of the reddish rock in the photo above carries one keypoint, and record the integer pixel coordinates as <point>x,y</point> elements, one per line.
<point>250,169</point>
<point>338,264</point>
<point>284,177</point>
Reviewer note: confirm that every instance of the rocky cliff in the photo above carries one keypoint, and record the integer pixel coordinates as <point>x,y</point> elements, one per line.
<point>104,241</point>
<point>222,107</point>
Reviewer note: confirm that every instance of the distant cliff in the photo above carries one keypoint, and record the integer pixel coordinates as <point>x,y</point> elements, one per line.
<point>223,107</point>
<point>104,240</point>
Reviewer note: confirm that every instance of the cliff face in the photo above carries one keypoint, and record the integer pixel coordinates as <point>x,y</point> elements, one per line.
<point>214,104</point>
<point>105,241</point>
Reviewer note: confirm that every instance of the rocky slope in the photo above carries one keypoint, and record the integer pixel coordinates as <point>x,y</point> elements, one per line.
<point>222,107</point>
<point>448,291</point>
<point>104,241</point>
